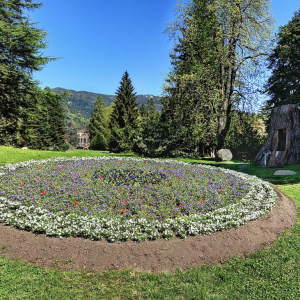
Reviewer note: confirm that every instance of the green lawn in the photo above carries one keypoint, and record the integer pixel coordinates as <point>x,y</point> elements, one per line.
<point>271,273</point>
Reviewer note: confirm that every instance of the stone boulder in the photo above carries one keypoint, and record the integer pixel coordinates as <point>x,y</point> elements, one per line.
<point>224,154</point>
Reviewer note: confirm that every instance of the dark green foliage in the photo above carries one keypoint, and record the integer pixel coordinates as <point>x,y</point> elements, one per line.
<point>190,109</point>
<point>20,46</point>
<point>97,123</point>
<point>98,142</point>
<point>43,121</point>
<point>246,136</point>
<point>124,118</point>
<point>283,86</point>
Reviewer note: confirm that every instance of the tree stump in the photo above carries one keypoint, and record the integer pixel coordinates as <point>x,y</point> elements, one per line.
<point>283,143</point>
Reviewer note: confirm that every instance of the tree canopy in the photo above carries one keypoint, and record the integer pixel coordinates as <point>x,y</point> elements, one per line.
<point>21,43</point>
<point>221,46</point>
<point>124,119</point>
<point>283,86</point>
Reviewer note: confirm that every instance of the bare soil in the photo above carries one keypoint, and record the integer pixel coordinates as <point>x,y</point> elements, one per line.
<point>153,256</point>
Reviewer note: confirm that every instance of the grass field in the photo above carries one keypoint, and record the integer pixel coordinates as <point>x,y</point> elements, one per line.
<point>271,273</point>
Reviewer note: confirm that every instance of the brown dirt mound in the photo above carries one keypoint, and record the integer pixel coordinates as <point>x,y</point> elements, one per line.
<point>154,256</point>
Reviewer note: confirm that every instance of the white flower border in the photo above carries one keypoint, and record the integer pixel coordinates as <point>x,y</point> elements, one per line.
<point>257,202</point>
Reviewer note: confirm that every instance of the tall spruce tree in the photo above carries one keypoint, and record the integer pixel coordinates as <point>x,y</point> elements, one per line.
<point>97,126</point>
<point>222,44</point>
<point>21,43</point>
<point>124,120</point>
<point>283,86</point>
<point>43,121</point>
<point>190,109</point>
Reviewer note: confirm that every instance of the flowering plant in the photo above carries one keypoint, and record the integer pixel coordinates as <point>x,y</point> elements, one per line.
<point>128,199</point>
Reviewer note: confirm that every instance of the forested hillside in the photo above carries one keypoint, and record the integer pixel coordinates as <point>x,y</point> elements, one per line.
<point>84,102</point>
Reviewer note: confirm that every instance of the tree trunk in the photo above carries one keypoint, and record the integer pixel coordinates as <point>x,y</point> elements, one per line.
<point>283,142</point>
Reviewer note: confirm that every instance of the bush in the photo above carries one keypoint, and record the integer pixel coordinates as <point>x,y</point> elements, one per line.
<point>98,142</point>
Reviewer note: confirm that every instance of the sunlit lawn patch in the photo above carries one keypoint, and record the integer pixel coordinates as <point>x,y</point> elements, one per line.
<point>128,198</point>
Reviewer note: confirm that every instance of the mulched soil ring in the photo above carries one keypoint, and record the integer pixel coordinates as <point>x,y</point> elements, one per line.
<point>154,256</point>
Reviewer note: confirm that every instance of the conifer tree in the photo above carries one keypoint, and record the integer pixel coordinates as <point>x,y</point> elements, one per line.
<point>124,118</point>
<point>283,86</point>
<point>21,43</point>
<point>97,126</point>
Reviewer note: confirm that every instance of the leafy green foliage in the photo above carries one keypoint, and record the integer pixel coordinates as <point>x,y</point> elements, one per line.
<point>283,86</point>
<point>124,118</point>
<point>43,121</point>
<point>246,135</point>
<point>98,142</point>
<point>20,46</point>
<point>98,125</point>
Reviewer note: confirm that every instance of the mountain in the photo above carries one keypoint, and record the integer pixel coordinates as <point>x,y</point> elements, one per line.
<point>84,102</point>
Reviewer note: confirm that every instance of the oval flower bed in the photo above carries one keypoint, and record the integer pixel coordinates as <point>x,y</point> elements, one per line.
<point>128,198</point>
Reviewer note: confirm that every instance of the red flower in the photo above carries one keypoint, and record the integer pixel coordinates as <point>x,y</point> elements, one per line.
<point>75,202</point>
<point>47,180</point>
<point>53,186</point>
<point>207,182</point>
<point>44,192</point>
<point>145,159</point>
<point>90,164</point>
<point>156,179</point>
<point>60,168</point>
<point>38,177</point>
<point>192,167</point>
<point>220,191</point>
<point>119,160</point>
<point>39,167</point>
<point>179,177</point>
<point>74,191</point>
<point>201,200</point>
<point>144,195</point>
<point>123,210</point>
<point>228,182</point>
<point>85,174</point>
<point>125,201</point>
<point>100,177</point>
<point>168,185</point>
<point>180,204</point>
<point>221,175</point>
<point>202,173</point>
<point>22,184</point>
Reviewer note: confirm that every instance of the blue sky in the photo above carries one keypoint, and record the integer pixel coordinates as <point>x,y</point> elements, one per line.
<point>98,40</point>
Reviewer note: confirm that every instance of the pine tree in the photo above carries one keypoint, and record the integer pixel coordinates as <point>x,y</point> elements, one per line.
<point>221,47</point>
<point>283,86</point>
<point>97,126</point>
<point>124,118</point>
<point>57,132</point>
<point>43,121</point>
<point>20,46</point>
